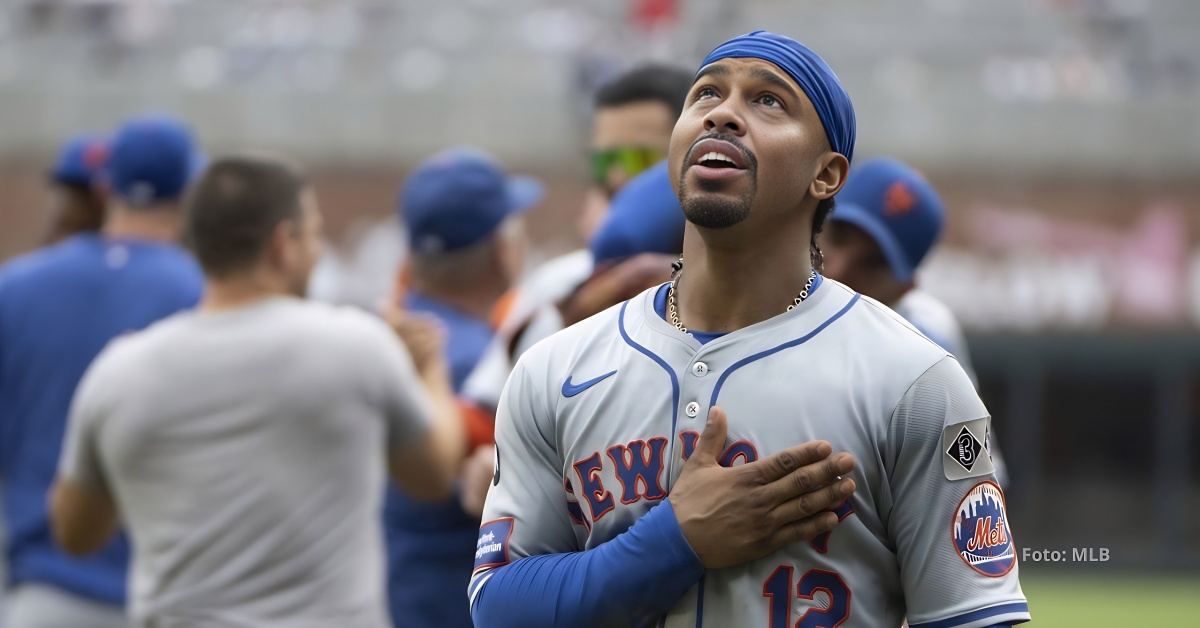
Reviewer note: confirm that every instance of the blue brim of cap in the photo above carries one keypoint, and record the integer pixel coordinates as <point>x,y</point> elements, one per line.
<point>861,218</point>
<point>523,194</point>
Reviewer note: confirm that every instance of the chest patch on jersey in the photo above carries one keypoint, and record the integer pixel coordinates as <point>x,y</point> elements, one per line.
<point>965,451</point>
<point>491,550</point>
<point>980,531</point>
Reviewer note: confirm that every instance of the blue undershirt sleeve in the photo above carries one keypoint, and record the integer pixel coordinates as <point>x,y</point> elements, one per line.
<point>632,579</point>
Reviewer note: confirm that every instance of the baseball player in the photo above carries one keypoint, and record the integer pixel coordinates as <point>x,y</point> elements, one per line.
<point>59,306</point>
<point>634,114</point>
<point>245,443</point>
<point>616,502</point>
<point>77,201</point>
<point>461,213</point>
<point>76,206</point>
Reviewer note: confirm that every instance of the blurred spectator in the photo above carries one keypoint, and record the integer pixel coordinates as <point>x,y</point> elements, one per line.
<point>634,116</point>
<point>77,198</point>
<point>461,215</point>
<point>634,246</point>
<point>458,208</point>
<point>258,421</point>
<point>58,308</point>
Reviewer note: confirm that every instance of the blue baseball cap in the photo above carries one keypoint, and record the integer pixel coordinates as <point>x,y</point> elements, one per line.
<point>152,159</point>
<point>645,217</point>
<point>458,197</point>
<point>897,207</point>
<point>80,160</point>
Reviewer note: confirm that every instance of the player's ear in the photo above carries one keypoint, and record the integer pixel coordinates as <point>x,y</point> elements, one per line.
<point>282,250</point>
<point>830,177</point>
<point>510,248</point>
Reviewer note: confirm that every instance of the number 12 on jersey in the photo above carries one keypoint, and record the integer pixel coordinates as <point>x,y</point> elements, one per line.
<point>778,591</point>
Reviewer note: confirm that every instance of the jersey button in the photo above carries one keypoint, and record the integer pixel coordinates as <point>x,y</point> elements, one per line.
<point>699,369</point>
<point>692,409</point>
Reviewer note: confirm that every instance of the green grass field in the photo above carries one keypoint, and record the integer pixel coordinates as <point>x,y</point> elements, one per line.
<point>1104,601</point>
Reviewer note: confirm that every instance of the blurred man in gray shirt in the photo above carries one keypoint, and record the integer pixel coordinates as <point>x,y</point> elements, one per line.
<point>244,445</point>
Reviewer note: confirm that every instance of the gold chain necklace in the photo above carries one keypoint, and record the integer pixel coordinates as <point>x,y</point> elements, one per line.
<point>673,311</point>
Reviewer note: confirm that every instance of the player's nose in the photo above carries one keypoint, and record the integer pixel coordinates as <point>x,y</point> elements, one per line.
<point>725,118</point>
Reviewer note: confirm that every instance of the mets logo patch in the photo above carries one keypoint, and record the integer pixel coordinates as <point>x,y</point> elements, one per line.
<point>980,531</point>
<point>491,550</point>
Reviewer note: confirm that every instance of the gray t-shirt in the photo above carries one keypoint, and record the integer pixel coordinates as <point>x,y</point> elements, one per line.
<point>246,451</point>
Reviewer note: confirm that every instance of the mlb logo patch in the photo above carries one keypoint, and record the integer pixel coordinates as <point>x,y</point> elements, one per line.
<point>491,550</point>
<point>980,531</point>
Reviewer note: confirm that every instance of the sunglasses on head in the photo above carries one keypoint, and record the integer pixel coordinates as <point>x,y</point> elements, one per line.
<point>630,159</point>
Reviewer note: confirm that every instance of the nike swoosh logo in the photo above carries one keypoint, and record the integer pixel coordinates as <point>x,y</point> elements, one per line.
<point>570,390</point>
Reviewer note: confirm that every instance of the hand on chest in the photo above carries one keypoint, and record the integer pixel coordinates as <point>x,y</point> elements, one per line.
<point>624,443</point>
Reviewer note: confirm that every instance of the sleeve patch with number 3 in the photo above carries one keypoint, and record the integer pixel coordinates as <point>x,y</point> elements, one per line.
<point>966,452</point>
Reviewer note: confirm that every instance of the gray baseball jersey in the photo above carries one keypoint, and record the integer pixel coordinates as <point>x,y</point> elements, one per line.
<point>246,451</point>
<point>596,422</point>
<point>934,319</point>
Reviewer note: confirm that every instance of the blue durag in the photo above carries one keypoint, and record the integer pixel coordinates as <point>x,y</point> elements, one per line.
<point>809,70</point>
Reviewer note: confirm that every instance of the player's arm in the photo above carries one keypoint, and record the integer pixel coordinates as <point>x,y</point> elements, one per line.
<point>948,519</point>
<point>426,467</point>
<point>426,438</point>
<point>83,515</point>
<point>529,571</point>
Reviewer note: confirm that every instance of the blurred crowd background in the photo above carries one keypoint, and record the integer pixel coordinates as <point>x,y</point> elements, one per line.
<point>1061,134</point>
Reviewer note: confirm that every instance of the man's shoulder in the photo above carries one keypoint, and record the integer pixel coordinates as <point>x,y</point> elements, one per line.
<point>884,340</point>
<point>131,356</point>
<point>167,258</point>
<point>318,319</point>
<point>164,271</point>
<point>344,334</point>
<point>600,328</point>
<point>31,266</point>
<point>583,347</point>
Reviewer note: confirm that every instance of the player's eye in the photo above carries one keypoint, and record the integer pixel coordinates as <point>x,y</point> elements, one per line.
<point>705,92</point>
<point>768,100</point>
